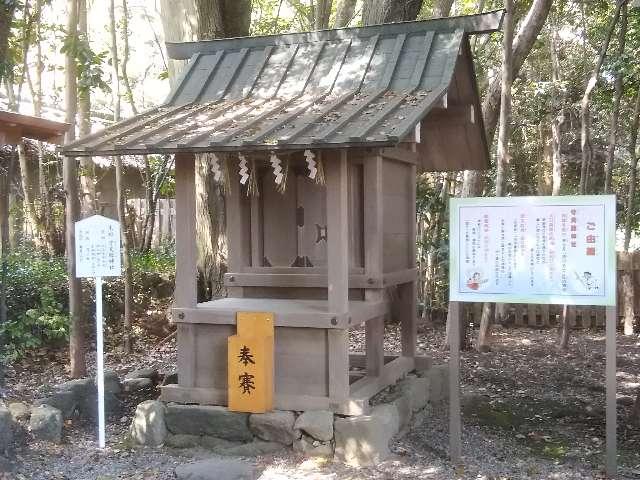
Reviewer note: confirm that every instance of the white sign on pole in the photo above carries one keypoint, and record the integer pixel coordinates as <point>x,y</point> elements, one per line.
<point>556,250</point>
<point>97,256</point>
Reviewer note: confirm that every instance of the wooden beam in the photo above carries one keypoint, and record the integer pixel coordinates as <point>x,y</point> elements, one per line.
<point>400,155</point>
<point>304,280</point>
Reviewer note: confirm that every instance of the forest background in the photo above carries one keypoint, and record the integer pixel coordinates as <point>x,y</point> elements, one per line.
<point>561,107</point>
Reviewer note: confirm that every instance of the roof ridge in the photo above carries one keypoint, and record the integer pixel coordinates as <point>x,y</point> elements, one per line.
<point>485,22</point>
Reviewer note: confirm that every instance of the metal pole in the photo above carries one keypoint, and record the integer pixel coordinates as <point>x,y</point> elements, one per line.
<point>100,362</point>
<point>455,428</point>
<point>611,464</point>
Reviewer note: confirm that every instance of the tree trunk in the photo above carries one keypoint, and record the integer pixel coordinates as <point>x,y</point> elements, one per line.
<point>615,110</point>
<point>564,328</point>
<point>322,12</point>
<point>87,169</point>
<point>7,10</point>
<point>522,44</point>
<point>345,13</point>
<point>121,196</point>
<point>215,19</point>
<point>442,8</point>
<point>631,192</point>
<point>76,334</point>
<point>585,113</point>
<point>389,11</point>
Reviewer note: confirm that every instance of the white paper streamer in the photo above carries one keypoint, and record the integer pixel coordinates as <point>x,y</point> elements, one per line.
<point>311,164</point>
<point>244,169</point>
<point>276,164</point>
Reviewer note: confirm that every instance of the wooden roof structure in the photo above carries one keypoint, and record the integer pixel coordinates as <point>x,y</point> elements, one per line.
<point>352,87</point>
<point>15,126</point>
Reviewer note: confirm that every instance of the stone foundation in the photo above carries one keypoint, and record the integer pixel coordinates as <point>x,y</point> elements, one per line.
<point>359,440</point>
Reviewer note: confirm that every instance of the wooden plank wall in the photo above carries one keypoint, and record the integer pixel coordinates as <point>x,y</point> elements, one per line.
<point>529,315</point>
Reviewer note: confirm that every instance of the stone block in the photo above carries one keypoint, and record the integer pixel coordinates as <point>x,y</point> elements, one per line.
<point>364,441</point>
<point>67,401</point>
<point>208,420</point>
<point>148,425</point>
<point>417,390</point>
<point>276,426</point>
<point>438,377</point>
<point>252,449</point>
<point>403,406</point>
<point>216,469</point>
<point>149,372</point>
<point>19,411</point>
<point>137,384</point>
<point>46,423</point>
<point>316,423</point>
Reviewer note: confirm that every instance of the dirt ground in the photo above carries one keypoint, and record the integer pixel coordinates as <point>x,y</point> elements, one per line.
<point>530,412</point>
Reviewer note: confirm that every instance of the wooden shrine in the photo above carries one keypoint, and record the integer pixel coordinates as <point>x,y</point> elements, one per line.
<point>317,139</point>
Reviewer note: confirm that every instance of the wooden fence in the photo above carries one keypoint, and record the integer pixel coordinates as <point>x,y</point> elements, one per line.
<point>531,315</point>
<point>164,230</point>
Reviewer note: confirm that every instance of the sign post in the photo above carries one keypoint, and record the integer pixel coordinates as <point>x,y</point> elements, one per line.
<point>97,256</point>
<point>539,250</point>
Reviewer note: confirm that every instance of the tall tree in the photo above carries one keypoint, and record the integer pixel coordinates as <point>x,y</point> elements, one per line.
<point>528,32</point>
<point>120,191</point>
<point>345,13</point>
<point>214,19</point>
<point>617,96</point>
<point>70,181</point>
<point>502,158</point>
<point>87,168</point>
<point>585,104</point>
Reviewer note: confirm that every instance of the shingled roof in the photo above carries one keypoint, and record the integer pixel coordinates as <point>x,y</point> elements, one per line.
<point>366,86</point>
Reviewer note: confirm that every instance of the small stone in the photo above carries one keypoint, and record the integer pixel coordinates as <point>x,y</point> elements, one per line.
<point>136,384</point>
<point>149,372</point>
<point>64,400</point>
<point>316,423</point>
<point>46,423</point>
<point>112,382</point>
<point>6,429</point>
<point>79,387</point>
<point>310,447</point>
<point>216,469</point>
<point>19,411</point>
<point>148,425</point>
<point>208,420</point>
<point>276,426</point>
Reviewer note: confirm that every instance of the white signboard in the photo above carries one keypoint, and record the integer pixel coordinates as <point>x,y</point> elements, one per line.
<point>97,247</point>
<point>556,250</point>
<point>98,255</point>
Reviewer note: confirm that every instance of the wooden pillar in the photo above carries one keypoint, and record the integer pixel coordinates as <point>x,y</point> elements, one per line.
<point>455,427</point>
<point>338,272</point>
<point>611,412</point>
<point>238,210</point>
<point>372,216</point>
<point>407,292</point>
<point>186,291</point>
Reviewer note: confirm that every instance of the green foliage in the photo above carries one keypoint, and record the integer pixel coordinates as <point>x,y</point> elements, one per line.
<point>161,261</point>
<point>88,63</point>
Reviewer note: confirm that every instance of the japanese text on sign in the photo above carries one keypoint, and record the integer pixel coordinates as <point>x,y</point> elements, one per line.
<point>97,247</point>
<point>533,250</point>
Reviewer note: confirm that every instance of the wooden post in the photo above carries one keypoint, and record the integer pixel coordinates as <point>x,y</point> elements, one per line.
<point>408,291</point>
<point>186,267</point>
<point>611,464</point>
<point>372,217</point>
<point>338,272</point>
<point>455,428</point>
<point>238,228</point>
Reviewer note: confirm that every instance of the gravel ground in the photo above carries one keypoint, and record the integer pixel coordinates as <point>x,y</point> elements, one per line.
<point>543,418</point>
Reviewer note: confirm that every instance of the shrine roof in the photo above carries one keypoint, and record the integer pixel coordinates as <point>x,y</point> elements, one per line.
<point>367,86</point>
<point>15,126</point>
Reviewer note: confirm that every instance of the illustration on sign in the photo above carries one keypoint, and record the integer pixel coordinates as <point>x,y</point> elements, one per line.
<point>533,249</point>
<point>97,247</point>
